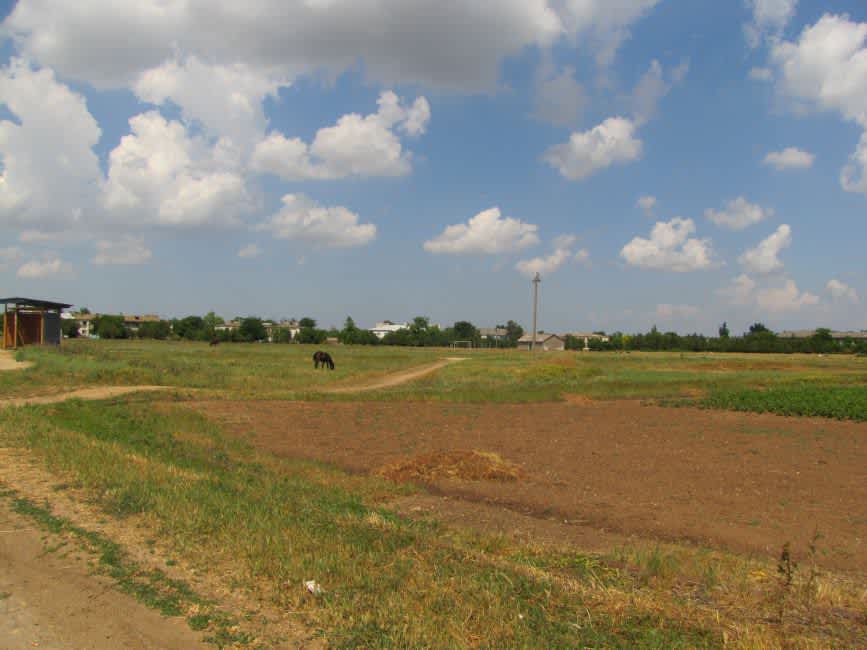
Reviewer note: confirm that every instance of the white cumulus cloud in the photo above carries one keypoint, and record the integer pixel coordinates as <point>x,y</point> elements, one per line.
<point>249,251</point>
<point>303,219</point>
<point>563,253</point>
<point>226,99</point>
<point>38,269</point>
<point>738,214</point>
<point>161,175</point>
<point>842,291</point>
<point>770,18</point>
<point>610,143</point>
<point>785,297</point>
<point>670,248</point>
<point>740,291</point>
<point>653,87</point>
<point>488,233</point>
<point>773,296</point>
<point>423,42</point>
<point>789,158</point>
<point>826,69</point>
<point>764,258</point>
<point>126,251</point>
<point>647,203</point>
<point>853,178</point>
<point>49,174</point>
<point>355,146</point>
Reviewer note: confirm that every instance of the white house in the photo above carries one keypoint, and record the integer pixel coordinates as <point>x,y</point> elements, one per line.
<point>387,327</point>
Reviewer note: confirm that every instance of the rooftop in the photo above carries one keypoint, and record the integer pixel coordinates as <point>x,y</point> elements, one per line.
<point>34,302</point>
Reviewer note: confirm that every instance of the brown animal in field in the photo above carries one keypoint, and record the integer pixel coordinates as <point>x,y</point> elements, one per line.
<point>323,358</point>
<point>214,341</point>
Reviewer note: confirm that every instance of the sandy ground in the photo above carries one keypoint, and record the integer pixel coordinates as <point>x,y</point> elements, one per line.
<point>8,362</point>
<point>738,481</point>
<point>52,602</point>
<point>395,379</point>
<point>101,392</point>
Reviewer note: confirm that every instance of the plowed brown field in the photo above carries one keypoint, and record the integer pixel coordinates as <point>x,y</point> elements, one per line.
<point>743,482</point>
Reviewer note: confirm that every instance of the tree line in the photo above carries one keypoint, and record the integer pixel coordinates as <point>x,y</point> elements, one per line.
<point>421,333</point>
<point>758,338</point>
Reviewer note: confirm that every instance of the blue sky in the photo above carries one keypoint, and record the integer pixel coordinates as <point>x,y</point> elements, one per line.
<point>657,161</point>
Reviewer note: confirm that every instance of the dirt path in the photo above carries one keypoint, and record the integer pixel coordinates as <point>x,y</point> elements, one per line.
<point>395,379</point>
<point>8,362</point>
<point>100,392</point>
<point>738,481</point>
<point>50,601</point>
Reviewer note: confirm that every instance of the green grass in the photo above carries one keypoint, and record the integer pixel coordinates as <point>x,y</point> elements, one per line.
<point>271,524</point>
<point>840,402</point>
<point>250,371</point>
<point>241,370</point>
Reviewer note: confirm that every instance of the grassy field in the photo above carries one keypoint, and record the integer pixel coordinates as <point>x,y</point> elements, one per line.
<point>267,524</point>
<point>832,386</point>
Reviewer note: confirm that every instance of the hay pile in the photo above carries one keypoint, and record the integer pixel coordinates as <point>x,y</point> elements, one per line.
<point>463,465</point>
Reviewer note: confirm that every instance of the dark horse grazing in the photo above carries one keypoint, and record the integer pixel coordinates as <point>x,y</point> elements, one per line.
<point>214,341</point>
<point>324,358</point>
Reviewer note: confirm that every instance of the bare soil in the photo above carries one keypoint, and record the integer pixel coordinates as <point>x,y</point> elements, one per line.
<point>737,481</point>
<point>50,600</point>
<point>53,600</point>
<point>395,378</point>
<point>8,362</point>
<point>101,392</point>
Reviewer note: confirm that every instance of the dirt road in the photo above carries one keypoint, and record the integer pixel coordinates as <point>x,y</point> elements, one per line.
<point>48,600</point>
<point>100,392</point>
<point>395,379</point>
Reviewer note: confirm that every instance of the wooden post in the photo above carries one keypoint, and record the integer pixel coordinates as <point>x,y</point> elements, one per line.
<point>42,327</point>
<point>5,324</point>
<point>15,337</point>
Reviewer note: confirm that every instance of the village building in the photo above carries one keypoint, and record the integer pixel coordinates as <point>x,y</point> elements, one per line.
<point>544,341</point>
<point>493,333</point>
<point>387,327</point>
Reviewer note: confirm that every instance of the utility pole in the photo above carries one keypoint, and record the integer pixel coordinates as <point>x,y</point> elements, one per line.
<point>536,281</point>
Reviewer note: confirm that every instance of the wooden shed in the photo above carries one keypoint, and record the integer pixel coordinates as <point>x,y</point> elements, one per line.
<point>28,321</point>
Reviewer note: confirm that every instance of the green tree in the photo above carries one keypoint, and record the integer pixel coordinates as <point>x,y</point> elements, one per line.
<point>311,335</point>
<point>69,327</point>
<point>155,330</point>
<point>108,326</point>
<point>513,332</point>
<point>209,324</point>
<point>465,331</point>
<point>307,322</point>
<point>252,329</point>
<point>191,328</point>
<point>758,328</point>
<point>724,330</point>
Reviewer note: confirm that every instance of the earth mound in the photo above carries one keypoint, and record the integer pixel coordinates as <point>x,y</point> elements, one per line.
<point>464,465</point>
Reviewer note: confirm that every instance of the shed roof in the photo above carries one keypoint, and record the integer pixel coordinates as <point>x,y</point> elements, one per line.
<point>540,337</point>
<point>33,302</point>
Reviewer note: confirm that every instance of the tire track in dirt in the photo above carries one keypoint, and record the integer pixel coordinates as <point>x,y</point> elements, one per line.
<point>100,392</point>
<point>395,379</point>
